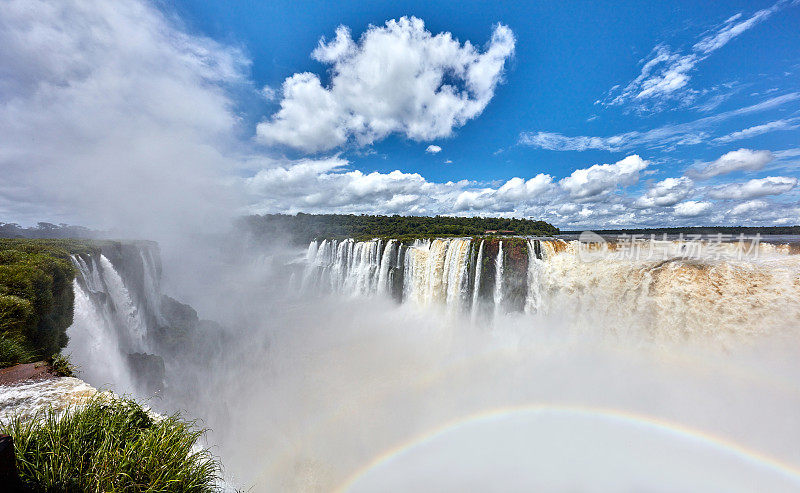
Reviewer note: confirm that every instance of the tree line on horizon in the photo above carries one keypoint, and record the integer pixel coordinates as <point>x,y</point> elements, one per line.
<point>303,228</point>
<point>701,230</point>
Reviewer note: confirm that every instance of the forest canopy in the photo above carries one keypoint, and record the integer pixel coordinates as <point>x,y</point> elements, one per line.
<point>303,228</point>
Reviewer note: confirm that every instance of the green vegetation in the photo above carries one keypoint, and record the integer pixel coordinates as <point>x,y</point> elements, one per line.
<point>14,350</point>
<point>303,228</point>
<point>36,297</point>
<point>61,366</point>
<point>110,445</point>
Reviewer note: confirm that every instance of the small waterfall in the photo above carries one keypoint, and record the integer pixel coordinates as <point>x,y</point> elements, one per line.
<point>130,326</point>
<point>456,272</point>
<point>477,284</point>
<point>536,266</point>
<point>384,285</point>
<point>152,284</point>
<point>498,280</point>
<point>94,343</point>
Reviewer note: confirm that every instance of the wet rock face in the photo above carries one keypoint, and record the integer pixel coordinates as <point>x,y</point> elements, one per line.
<point>148,371</point>
<point>515,253</point>
<point>515,271</point>
<point>178,315</point>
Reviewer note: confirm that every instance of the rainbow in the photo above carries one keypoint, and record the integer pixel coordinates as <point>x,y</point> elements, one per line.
<point>786,470</point>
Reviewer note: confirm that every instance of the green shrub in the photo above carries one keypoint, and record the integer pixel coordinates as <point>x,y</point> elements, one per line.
<point>61,366</point>
<point>36,296</point>
<point>14,350</point>
<point>110,445</point>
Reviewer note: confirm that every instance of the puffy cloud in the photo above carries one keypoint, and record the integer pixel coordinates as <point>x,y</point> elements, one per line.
<point>433,149</point>
<point>519,189</point>
<point>330,185</point>
<point>327,185</point>
<point>665,74</point>
<point>602,178</point>
<point>771,185</point>
<point>749,206</point>
<point>667,192</point>
<point>692,208</point>
<point>740,160</point>
<point>397,78</point>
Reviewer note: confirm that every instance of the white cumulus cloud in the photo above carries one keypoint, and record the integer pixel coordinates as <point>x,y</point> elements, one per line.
<point>749,206</point>
<point>771,185</point>
<point>667,192</point>
<point>692,208</point>
<point>397,78</point>
<point>739,160</point>
<point>602,178</point>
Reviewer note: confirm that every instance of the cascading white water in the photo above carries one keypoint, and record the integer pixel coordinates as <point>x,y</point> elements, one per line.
<point>152,281</point>
<point>498,280</point>
<point>109,323</point>
<point>477,283</point>
<point>131,328</point>
<point>94,344</point>
<point>384,285</point>
<point>646,290</point>
<point>536,267</point>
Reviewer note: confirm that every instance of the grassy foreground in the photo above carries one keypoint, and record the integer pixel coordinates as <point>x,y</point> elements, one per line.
<point>110,445</point>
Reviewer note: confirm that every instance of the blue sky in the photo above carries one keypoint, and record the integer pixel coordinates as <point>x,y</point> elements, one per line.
<point>583,114</point>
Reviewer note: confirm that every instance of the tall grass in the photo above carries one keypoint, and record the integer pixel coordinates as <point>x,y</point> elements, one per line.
<point>14,350</point>
<point>110,445</point>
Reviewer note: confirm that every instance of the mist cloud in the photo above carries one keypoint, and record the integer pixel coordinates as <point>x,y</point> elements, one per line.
<point>113,116</point>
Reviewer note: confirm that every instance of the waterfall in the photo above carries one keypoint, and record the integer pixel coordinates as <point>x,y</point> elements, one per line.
<point>152,284</point>
<point>113,314</point>
<point>94,343</point>
<point>130,326</point>
<point>533,300</point>
<point>477,284</point>
<point>384,285</point>
<point>557,280</point>
<point>498,280</point>
<point>456,272</point>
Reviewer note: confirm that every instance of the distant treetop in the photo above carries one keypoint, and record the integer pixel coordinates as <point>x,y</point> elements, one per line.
<point>303,228</point>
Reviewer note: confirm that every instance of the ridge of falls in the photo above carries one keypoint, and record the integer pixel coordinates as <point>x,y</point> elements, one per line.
<point>543,277</point>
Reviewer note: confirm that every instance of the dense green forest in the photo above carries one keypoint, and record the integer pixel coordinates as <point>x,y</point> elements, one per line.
<point>302,228</point>
<point>702,230</point>
<point>36,297</point>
